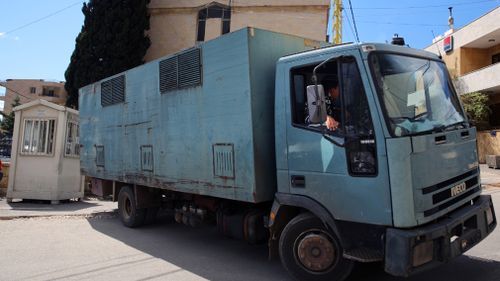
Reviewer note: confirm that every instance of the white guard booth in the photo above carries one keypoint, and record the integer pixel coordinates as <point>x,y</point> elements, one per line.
<point>45,161</point>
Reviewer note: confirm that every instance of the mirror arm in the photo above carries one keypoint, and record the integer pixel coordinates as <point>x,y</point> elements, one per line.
<point>314,77</point>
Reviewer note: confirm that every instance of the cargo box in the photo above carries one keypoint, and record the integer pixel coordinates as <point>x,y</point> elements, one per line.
<point>200,121</point>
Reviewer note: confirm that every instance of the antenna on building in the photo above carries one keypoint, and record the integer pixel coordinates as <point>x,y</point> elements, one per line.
<point>437,47</point>
<point>450,18</point>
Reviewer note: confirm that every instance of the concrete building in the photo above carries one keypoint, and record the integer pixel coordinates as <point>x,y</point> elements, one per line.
<point>472,55</point>
<point>32,89</point>
<point>176,25</point>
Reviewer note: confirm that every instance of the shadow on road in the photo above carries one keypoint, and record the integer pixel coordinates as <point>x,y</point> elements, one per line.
<point>201,251</point>
<point>206,253</point>
<point>44,205</point>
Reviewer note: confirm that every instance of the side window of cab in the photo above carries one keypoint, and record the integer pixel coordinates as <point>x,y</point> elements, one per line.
<point>346,116</point>
<point>326,90</point>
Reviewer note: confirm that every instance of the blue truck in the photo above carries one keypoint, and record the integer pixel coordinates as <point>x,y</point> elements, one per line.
<point>232,132</point>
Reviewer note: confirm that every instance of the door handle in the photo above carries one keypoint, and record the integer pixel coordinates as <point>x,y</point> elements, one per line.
<point>298,181</point>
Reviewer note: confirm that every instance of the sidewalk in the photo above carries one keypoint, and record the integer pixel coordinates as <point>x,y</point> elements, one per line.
<point>84,208</point>
<point>490,177</point>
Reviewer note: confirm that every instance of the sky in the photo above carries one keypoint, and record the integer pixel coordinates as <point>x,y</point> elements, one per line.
<point>37,37</point>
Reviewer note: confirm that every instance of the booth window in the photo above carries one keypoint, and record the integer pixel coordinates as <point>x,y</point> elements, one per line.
<point>38,136</point>
<point>72,147</point>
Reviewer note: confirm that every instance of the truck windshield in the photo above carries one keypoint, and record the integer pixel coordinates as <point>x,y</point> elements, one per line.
<point>415,94</point>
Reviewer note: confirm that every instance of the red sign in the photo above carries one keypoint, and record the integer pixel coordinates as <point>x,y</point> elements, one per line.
<point>448,43</point>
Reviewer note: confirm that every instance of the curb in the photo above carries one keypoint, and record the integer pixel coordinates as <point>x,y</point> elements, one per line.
<point>103,214</point>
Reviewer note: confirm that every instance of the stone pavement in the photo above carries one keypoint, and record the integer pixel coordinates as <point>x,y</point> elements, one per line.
<point>88,207</point>
<point>490,178</point>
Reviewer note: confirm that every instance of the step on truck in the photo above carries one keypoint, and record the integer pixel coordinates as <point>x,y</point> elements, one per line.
<point>235,132</point>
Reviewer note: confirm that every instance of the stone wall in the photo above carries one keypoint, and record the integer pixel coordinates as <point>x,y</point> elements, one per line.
<point>488,142</point>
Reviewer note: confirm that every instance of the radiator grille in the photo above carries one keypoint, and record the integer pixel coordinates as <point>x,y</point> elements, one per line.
<point>450,192</point>
<point>113,91</point>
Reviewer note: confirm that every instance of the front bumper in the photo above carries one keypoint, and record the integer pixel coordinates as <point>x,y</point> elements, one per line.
<point>409,251</point>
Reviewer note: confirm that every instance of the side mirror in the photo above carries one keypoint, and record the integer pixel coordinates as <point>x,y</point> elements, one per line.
<point>316,104</point>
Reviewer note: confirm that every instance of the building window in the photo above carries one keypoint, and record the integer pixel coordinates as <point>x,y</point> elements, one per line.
<point>49,92</point>
<point>72,147</point>
<point>38,136</point>
<point>213,11</point>
<point>495,58</point>
<point>32,90</point>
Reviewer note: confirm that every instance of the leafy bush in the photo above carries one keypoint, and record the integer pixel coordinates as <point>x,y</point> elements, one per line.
<point>476,106</point>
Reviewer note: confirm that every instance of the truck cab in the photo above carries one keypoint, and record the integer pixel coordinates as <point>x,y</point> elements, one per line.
<point>396,181</point>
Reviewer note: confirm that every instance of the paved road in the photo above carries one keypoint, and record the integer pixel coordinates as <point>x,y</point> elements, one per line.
<point>77,248</point>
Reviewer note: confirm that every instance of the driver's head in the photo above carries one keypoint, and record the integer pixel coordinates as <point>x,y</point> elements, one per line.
<point>331,85</point>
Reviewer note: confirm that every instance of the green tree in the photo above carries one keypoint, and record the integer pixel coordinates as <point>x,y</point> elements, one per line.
<point>112,39</point>
<point>476,106</point>
<point>7,124</point>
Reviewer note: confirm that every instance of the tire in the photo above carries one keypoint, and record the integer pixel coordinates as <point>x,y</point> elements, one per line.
<point>129,214</point>
<point>309,251</point>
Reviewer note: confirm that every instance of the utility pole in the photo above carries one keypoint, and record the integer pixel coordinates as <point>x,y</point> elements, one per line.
<point>337,22</point>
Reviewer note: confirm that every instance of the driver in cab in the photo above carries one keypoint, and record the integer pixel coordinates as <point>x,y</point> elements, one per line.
<point>332,102</point>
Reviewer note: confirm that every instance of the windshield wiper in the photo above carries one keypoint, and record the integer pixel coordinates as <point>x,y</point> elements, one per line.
<point>454,126</point>
<point>444,128</point>
<point>416,118</point>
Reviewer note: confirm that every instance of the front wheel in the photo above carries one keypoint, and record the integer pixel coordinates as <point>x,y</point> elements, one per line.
<point>309,251</point>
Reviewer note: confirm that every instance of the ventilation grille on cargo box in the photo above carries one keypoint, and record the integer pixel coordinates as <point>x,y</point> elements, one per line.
<point>223,160</point>
<point>113,91</point>
<point>181,71</point>
<point>99,158</point>
<point>147,158</point>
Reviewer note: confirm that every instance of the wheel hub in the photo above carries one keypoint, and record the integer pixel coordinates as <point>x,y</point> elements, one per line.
<point>128,208</point>
<point>316,252</point>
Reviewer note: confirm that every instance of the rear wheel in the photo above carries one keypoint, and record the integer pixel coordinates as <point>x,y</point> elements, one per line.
<point>309,251</point>
<point>129,214</point>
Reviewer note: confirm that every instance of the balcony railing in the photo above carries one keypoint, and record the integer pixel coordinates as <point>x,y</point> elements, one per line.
<point>483,79</point>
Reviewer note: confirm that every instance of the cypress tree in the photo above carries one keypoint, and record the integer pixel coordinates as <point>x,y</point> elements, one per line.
<point>7,124</point>
<point>112,40</point>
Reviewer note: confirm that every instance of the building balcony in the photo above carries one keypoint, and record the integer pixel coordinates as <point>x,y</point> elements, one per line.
<point>485,79</point>
<point>53,98</point>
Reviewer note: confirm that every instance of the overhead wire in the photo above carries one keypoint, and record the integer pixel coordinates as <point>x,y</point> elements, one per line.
<point>12,90</point>
<point>401,23</point>
<point>354,22</point>
<point>428,6</point>
<point>42,18</point>
<point>349,23</point>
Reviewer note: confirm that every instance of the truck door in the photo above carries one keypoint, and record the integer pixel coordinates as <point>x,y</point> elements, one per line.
<point>343,169</point>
